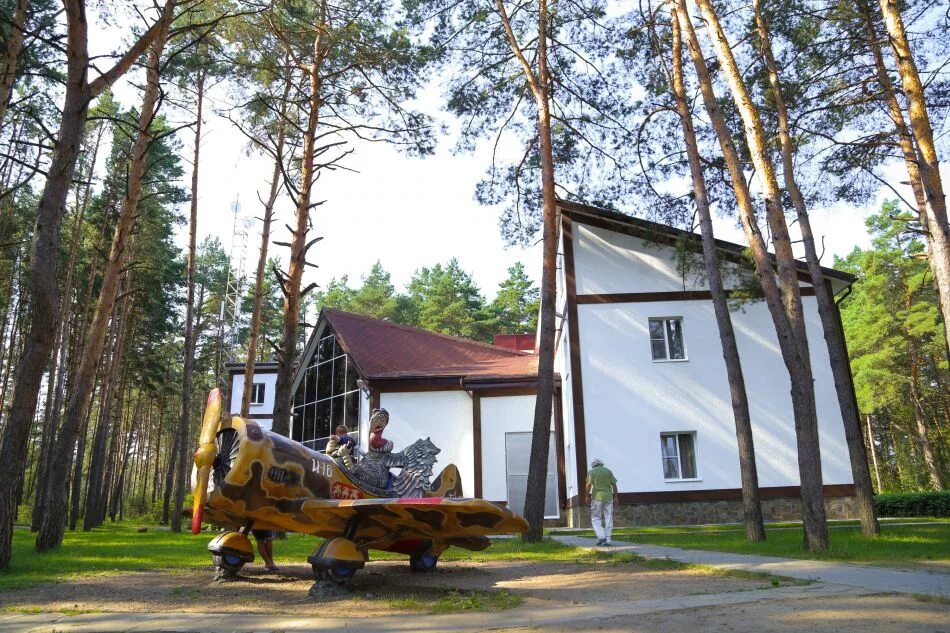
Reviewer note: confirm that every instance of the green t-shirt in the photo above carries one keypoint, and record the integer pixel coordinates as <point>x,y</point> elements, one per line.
<point>601,481</point>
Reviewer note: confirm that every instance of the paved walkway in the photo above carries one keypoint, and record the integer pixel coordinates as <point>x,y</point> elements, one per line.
<point>528,617</point>
<point>878,579</point>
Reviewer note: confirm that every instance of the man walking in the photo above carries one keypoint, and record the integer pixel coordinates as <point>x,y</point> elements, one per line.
<point>602,494</point>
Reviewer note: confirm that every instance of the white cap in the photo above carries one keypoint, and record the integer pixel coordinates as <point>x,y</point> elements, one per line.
<point>596,462</point>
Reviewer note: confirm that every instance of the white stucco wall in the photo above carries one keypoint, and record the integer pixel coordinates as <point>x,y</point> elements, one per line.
<point>443,416</point>
<point>629,399</point>
<point>500,415</point>
<point>266,408</point>
<point>609,262</point>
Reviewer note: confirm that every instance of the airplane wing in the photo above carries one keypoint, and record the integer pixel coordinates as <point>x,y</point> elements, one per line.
<point>456,521</point>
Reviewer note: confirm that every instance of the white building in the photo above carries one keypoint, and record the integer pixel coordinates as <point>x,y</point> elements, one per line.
<point>640,383</point>
<point>262,394</point>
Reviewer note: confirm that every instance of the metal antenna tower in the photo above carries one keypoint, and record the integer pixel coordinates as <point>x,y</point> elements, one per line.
<point>230,314</point>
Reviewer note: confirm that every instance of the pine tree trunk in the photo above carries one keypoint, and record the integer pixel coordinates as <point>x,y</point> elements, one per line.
<point>871,449</point>
<point>8,65</point>
<point>299,245</point>
<point>824,297</point>
<point>751,504</point>
<point>189,352</point>
<point>51,532</point>
<point>254,334</point>
<point>783,298</point>
<point>43,291</point>
<point>920,416</point>
<point>97,458</point>
<point>937,224</point>
<point>170,469</point>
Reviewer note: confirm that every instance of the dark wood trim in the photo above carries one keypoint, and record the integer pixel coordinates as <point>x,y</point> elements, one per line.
<point>502,391</point>
<point>257,372</point>
<point>477,442</point>
<point>675,295</point>
<point>227,396</point>
<point>721,494</point>
<point>257,416</point>
<point>373,398</point>
<point>574,340</point>
<point>559,450</point>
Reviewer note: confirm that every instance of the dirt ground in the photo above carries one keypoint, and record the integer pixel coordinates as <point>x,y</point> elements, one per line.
<point>374,591</point>
<point>380,590</point>
<point>858,614</point>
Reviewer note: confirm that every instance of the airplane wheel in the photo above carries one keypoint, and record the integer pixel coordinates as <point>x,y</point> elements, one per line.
<point>228,562</point>
<point>423,563</point>
<point>338,574</point>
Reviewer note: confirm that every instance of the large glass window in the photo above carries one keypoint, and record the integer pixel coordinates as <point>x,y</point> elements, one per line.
<point>327,395</point>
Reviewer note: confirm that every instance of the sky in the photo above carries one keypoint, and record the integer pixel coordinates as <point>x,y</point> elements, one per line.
<point>404,212</point>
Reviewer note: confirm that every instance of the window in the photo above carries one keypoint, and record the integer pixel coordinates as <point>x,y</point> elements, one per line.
<point>666,338</point>
<point>257,393</point>
<point>327,395</point>
<point>679,455</point>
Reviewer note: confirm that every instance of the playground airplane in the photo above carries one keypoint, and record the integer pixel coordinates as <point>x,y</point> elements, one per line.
<point>249,478</point>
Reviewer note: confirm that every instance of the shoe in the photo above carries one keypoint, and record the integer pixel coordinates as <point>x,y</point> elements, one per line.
<point>271,568</point>
<point>600,542</point>
<point>606,543</point>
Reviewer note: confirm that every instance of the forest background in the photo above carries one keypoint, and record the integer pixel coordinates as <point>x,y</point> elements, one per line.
<point>152,316</point>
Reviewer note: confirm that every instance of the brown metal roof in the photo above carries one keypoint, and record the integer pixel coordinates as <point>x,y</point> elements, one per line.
<point>383,349</point>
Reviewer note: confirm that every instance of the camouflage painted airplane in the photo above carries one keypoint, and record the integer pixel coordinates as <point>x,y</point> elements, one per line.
<point>261,480</point>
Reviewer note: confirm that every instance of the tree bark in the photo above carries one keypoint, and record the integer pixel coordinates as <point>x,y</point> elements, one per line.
<point>751,504</point>
<point>937,225</point>
<point>8,65</point>
<point>51,532</point>
<point>189,352</point>
<point>43,291</point>
<point>59,386</point>
<point>824,297</point>
<point>783,298</point>
<point>877,471</point>
<point>254,334</point>
<point>920,416</point>
<point>299,245</point>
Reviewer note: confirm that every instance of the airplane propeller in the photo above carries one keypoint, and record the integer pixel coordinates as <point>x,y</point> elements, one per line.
<point>204,456</point>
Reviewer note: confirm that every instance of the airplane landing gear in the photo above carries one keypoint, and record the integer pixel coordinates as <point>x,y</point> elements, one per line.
<point>425,559</point>
<point>336,560</point>
<point>230,552</point>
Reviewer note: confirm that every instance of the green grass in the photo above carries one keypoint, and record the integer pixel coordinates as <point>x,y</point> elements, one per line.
<point>118,548</point>
<point>456,601</point>
<point>898,544</point>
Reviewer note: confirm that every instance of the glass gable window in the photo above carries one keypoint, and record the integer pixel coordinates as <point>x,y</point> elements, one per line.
<point>327,395</point>
<point>678,452</point>
<point>666,339</point>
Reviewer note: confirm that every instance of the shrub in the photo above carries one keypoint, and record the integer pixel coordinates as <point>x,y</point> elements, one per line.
<point>913,504</point>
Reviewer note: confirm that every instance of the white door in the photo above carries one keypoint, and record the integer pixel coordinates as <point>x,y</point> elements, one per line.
<point>517,456</point>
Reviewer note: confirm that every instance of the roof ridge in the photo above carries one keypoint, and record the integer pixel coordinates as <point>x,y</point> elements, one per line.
<point>410,328</point>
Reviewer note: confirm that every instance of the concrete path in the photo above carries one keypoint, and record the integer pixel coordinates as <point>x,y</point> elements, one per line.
<point>877,579</point>
<point>529,617</point>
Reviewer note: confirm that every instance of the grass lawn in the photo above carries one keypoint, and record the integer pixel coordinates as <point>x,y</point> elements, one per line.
<point>117,548</point>
<point>900,545</point>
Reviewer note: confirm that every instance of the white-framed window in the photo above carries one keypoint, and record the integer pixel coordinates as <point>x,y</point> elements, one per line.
<point>666,338</point>
<point>678,451</point>
<point>257,393</point>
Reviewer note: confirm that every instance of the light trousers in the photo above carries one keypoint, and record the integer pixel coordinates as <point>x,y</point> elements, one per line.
<point>602,518</point>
